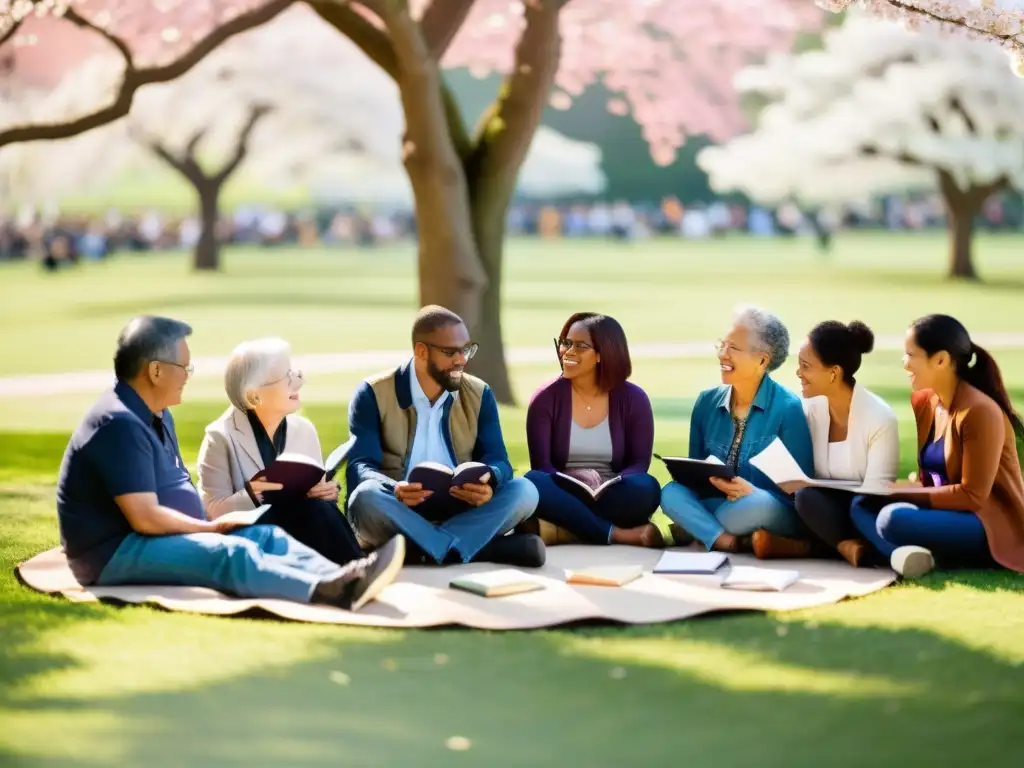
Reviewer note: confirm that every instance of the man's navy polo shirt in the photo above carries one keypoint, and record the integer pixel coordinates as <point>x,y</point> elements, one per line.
<point>120,447</point>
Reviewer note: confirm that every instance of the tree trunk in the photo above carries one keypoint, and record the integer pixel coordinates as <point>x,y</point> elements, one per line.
<point>489,231</point>
<point>506,133</point>
<point>961,236</point>
<point>462,189</point>
<point>962,207</point>
<point>207,252</point>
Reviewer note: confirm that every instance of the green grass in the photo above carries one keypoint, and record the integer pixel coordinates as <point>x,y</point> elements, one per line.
<point>925,673</point>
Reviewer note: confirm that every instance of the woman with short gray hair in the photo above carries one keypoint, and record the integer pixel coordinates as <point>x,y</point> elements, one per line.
<point>734,422</point>
<point>262,423</point>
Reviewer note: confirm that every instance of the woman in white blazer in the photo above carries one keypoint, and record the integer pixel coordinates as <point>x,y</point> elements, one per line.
<point>260,424</point>
<point>854,434</point>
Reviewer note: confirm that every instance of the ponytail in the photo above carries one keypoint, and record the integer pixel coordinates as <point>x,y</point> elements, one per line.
<point>983,374</point>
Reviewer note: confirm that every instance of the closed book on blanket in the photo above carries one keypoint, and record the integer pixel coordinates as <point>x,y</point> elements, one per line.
<point>605,576</point>
<point>691,562</point>
<point>748,577</point>
<point>496,583</point>
<point>581,490</point>
<point>439,478</point>
<point>696,474</point>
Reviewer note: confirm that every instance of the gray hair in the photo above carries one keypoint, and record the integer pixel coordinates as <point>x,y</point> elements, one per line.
<point>147,339</point>
<point>249,366</point>
<point>768,334</point>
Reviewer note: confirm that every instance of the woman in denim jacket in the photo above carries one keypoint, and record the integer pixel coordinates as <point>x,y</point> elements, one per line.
<point>734,422</point>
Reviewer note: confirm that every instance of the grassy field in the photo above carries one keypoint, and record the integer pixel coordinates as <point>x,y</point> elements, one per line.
<point>928,673</point>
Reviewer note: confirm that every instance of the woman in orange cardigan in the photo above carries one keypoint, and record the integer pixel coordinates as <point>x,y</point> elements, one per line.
<point>967,509</point>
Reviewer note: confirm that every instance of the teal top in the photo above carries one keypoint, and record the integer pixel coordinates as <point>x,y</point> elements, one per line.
<point>775,412</point>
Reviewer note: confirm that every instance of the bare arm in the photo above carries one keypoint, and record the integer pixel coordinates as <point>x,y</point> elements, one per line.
<point>148,517</point>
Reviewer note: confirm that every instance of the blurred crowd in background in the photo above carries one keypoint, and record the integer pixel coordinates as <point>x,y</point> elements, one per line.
<point>55,240</point>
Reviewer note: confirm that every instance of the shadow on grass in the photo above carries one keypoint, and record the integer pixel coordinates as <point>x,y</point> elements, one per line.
<point>724,692</point>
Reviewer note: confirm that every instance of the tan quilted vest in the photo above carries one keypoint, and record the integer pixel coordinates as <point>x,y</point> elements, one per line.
<point>398,427</point>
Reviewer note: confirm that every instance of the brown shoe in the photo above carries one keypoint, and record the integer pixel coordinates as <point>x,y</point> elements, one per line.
<point>680,537</point>
<point>853,551</point>
<point>551,534</point>
<point>770,546</point>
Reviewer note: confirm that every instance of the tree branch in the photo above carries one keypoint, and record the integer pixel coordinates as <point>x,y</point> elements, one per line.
<point>118,42</point>
<point>913,10</point>
<point>371,39</point>
<point>507,128</point>
<point>193,143</point>
<point>441,22</point>
<point>135,78</point>
<point>870,150</point>
<point>186,166</point>
<point>957,106</point>
<point>456,125</point>
<point>11,32</point>
<point>256,113</point>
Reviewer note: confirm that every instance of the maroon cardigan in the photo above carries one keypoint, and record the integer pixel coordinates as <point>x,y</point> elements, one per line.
<point>630,421</point>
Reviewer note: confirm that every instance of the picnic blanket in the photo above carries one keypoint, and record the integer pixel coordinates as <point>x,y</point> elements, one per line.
<point>420,597</point>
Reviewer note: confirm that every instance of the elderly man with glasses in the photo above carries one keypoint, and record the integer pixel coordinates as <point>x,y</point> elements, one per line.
<point>129,513</point>
<point>430,411</point>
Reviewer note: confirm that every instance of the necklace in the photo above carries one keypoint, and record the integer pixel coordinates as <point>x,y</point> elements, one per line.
<point>586,405</point>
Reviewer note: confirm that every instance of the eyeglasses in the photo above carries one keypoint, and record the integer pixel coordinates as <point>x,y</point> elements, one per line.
<point>722,346</point>
<point>188,369</point>
<point>468,352</point>
<point>292,376</point>
<point>567,344</point>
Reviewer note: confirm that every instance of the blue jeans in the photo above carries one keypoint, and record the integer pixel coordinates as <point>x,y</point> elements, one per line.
<point>376,516</point>
<point>707,519</point>
<point>954,538</point>
<point>627,504</point>
<point>257,561</point>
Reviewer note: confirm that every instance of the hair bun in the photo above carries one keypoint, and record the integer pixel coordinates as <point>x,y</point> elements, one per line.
<point>863,337</point>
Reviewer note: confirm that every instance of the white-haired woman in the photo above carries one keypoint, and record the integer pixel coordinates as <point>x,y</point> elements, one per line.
<point>735,421</point>
<point>260,424</point>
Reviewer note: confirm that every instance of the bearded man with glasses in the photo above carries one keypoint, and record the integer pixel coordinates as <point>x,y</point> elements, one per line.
<point>430,410</point>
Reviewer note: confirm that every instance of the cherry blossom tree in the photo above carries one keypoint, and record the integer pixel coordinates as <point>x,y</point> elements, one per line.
<point>1001,21</point>
<point>270,97</point>
<point>668,62</point>
<point>882,109</point>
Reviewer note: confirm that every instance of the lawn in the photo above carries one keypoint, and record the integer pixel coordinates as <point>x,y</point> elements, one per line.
<point>926,673</point>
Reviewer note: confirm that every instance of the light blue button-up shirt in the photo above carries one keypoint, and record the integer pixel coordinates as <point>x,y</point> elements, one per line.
<point>428,444</point>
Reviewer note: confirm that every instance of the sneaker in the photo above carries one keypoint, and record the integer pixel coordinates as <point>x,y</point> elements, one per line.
<point>362,580</point>
<point>525,550</point>
<point>912,562</point>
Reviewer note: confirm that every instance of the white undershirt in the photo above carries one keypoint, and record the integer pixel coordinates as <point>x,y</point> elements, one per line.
<point>840,464</point>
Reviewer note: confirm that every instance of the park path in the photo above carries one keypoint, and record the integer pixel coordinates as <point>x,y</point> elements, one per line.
<point>367,362</point>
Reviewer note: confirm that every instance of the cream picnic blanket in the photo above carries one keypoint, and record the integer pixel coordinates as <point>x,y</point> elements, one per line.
<point>420,597</point>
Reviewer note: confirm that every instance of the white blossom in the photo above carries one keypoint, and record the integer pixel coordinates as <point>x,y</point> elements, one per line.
<point>878,109</point>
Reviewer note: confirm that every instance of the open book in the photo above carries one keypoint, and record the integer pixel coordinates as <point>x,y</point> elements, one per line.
<point>298,473</point>
<point>439,478</point>
<point>246,516</point>
<point>778,464</point>
<point>695,474</point>
<point>580,489</point>
<point>506,581</point>
<point>748,577</point>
